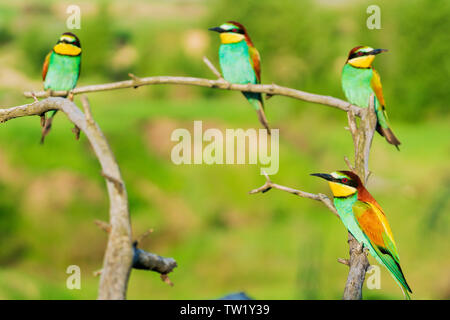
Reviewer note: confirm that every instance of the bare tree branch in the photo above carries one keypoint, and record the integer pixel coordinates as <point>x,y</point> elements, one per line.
<point>149,261</point>
<point>362,139</point>
<point>119,252</point>
<point>271,89</point>
<point>212,68</point>
<point>114,279</point>
<point>142,259</point>
<point>319,197</point>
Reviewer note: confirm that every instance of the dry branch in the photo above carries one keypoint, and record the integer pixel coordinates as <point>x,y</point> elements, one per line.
<point>362,140</point>
<point>149,261</point>
<point>118,255</point>
<point>220,83</point>
<point>142,259</point>
<point>119,252</point>
<point>319,197</point>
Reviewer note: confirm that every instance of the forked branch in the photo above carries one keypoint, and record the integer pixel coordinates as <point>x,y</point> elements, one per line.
<point>318,197</point>
<point>362,139</point>
<point>220,83</point>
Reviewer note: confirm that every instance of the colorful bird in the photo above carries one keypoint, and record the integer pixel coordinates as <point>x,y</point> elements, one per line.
<point>61,70</point>
<point>360,80</point>
<point>365,220</point>
<point>240,62</point>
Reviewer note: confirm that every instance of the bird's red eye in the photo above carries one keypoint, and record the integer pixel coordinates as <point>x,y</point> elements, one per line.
<point>360,53</point>
<point>235,30</point>
<point>344,180</point>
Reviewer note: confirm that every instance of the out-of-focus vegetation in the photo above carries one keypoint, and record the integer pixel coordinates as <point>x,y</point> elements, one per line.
<point>272,245</point>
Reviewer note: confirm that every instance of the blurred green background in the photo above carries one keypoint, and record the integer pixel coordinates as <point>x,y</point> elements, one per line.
<point>272,246</point>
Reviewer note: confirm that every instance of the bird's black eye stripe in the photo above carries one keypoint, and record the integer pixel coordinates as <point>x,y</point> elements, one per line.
<point>356,54</point>
<point>238,31</point>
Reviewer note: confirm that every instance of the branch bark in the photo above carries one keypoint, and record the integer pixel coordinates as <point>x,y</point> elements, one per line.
<point>271,89</point>
<point>149,261</point>
<point>119,251</point>
<point>318,197</point>
<point>142,259</point>
<point>117,262</point>
<point>362,140</point>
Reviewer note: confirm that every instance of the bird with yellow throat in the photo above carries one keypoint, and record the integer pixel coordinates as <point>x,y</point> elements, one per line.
<point>366,221</point>
<point>61,70</point>
<point>241,63</point>
<point>360,80</point>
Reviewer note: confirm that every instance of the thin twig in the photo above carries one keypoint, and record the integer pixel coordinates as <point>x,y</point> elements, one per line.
<point>344,261</point>
<point>349,164</point>
<point>117,183</point>
<point>318,197</point>
<point>87,109</point>
<point>105,226</point>
<point>212,67</point>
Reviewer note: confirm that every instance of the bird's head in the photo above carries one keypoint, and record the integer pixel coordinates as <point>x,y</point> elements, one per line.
<point>231,32</point>
<point>342,183</point>
<point>363,56</point>
<point>68,44</point>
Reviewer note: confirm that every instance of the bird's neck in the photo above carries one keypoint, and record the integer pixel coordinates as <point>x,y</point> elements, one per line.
<point>344,204</point>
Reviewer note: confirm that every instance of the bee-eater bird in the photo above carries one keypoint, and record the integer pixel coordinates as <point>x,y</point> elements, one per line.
<point>240,62</point>
<point>61,69</point>
<point>360,80</point>
<point>365,220</point>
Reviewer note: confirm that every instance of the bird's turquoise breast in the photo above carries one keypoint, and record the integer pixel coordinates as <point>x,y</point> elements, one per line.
<point>344,207</point>
<point>235,63</point>
<point>356,85</point>
<point>62,73</point>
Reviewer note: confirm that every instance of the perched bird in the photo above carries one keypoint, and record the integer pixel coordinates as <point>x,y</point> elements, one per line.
<point>240,62</point>
<point>360,80</point>
<point>61,70</point>
<point>365,220</point>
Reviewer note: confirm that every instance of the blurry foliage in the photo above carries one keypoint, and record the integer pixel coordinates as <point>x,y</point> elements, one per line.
<point>9,225</point>
<point>97,41</point>
<point>303,44</point>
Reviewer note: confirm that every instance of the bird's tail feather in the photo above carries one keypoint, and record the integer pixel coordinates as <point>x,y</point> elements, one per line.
<point>389,136</point>
<point>396,271</point>
<point>47,126</point>
<point>256,101</point>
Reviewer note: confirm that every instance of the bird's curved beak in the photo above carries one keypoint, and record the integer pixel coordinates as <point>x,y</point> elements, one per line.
<point>377,51</point>
<point>216,29</point>
<point>325,176</point>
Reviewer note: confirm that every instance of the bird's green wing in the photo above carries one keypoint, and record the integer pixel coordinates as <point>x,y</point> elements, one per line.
<point>373,223</point>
